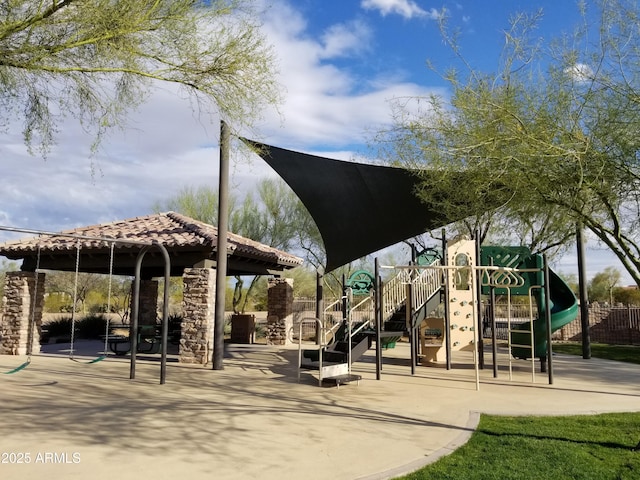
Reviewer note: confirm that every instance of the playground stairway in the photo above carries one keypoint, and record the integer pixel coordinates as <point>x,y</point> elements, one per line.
<point>427,286</point>
<point>334,359</point>
<point>398,320</point>
<point>338,350</point>
<point>338,356</point>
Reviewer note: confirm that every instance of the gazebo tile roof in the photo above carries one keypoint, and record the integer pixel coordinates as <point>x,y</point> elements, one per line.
<point>171,229</point>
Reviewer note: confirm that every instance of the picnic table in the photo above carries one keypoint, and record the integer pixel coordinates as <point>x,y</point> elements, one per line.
<point>149,340</point>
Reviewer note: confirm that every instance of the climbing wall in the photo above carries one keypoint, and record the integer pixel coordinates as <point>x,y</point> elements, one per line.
<point>461,253</point>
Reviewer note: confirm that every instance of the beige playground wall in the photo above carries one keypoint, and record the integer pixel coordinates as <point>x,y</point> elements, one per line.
<point>462,311</point>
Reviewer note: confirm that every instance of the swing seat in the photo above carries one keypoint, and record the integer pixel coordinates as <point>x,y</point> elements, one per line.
<point>18,368</point>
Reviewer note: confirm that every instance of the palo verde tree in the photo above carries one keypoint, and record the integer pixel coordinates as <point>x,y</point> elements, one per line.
<point>95,60</point>
<point>200,203</point>
<point>270,220</point>
<point>549,139</point>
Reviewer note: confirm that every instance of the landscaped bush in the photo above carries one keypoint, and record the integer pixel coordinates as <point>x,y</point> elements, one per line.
<point>59,327</point>
<point>175,328</point>
<point>92,326</point>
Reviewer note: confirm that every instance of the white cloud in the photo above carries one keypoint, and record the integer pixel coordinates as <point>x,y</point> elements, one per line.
<point>345,39</point>
<point>165,145</point>
<point>325,104</point>
<point>580,72</point>
<point>405,8</point>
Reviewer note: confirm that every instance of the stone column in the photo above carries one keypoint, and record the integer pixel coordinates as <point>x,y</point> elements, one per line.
<point>279,310</point>
<point>22,305</point>
<point>199,293</point>
<point>148,306</point>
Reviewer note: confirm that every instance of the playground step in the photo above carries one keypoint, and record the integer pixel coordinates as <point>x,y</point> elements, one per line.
<point>340,379</point>
<point>315,365</point>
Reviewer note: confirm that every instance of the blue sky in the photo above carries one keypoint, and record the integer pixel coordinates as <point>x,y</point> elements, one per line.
<point>341,63</point>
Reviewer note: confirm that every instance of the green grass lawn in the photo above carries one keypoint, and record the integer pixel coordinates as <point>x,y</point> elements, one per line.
<point>592,447</point>
<point>528,448</point>
<point>621,353</point>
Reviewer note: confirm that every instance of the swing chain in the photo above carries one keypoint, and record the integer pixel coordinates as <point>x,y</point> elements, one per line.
<point>75,299</point>
<point>107,325</point>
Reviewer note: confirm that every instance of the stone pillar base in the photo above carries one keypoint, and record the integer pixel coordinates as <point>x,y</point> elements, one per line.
<point>279,311</point>
<point>196,341</point>
<point>21,320</point>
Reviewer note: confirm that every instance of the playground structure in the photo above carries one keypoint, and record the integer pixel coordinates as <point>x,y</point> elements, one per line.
<point>437,303</point>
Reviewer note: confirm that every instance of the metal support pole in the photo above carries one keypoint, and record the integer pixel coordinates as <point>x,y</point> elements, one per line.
<point>345,303</point>
<point>494,337</point>
<point>378,313</point>
<point>319,307</point>
<point>479,312</point>
<point>584,300</point>
<point>409,323</point>
<point>415,329</point>
<point>547,304</point>
<point>133,328</point>
<point>447,322</point>
<point>221,250</point>
<point>165,312</point>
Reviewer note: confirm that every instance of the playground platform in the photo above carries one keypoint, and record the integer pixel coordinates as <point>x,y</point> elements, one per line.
<point>70,420</point>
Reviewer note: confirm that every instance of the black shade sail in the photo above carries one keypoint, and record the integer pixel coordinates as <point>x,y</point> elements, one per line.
<point>358,208</point>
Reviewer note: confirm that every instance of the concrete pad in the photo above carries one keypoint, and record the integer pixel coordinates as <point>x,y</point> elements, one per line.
<point>67,420</point>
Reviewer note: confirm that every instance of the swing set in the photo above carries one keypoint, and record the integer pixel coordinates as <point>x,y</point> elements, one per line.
<point>111,243</point>
<point>75,301</point>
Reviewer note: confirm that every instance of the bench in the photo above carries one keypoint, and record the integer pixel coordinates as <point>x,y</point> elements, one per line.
<point>118,344</point>
<point>149,341</point>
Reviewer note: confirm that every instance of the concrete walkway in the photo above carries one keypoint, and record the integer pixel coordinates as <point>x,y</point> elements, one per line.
<point>71,420</point>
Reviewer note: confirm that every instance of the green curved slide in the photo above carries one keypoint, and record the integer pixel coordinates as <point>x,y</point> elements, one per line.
<point>564,309</point>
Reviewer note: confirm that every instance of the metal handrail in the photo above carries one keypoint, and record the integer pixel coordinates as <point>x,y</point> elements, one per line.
<point>321,331</point>
<point>394,294</point>
<point>366,305</point>
<point>425,285</point>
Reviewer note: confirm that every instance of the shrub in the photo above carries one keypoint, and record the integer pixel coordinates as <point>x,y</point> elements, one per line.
<point>175,328</point>
<point>59,327</point>
<point>92,326</point>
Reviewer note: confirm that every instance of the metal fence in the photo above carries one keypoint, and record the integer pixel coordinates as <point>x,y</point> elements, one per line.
<point>515,314</point>
<point>304,308</point>
<point>617,325</point>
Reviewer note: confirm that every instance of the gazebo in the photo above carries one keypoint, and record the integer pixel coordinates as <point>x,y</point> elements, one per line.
<point>191,246</point>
